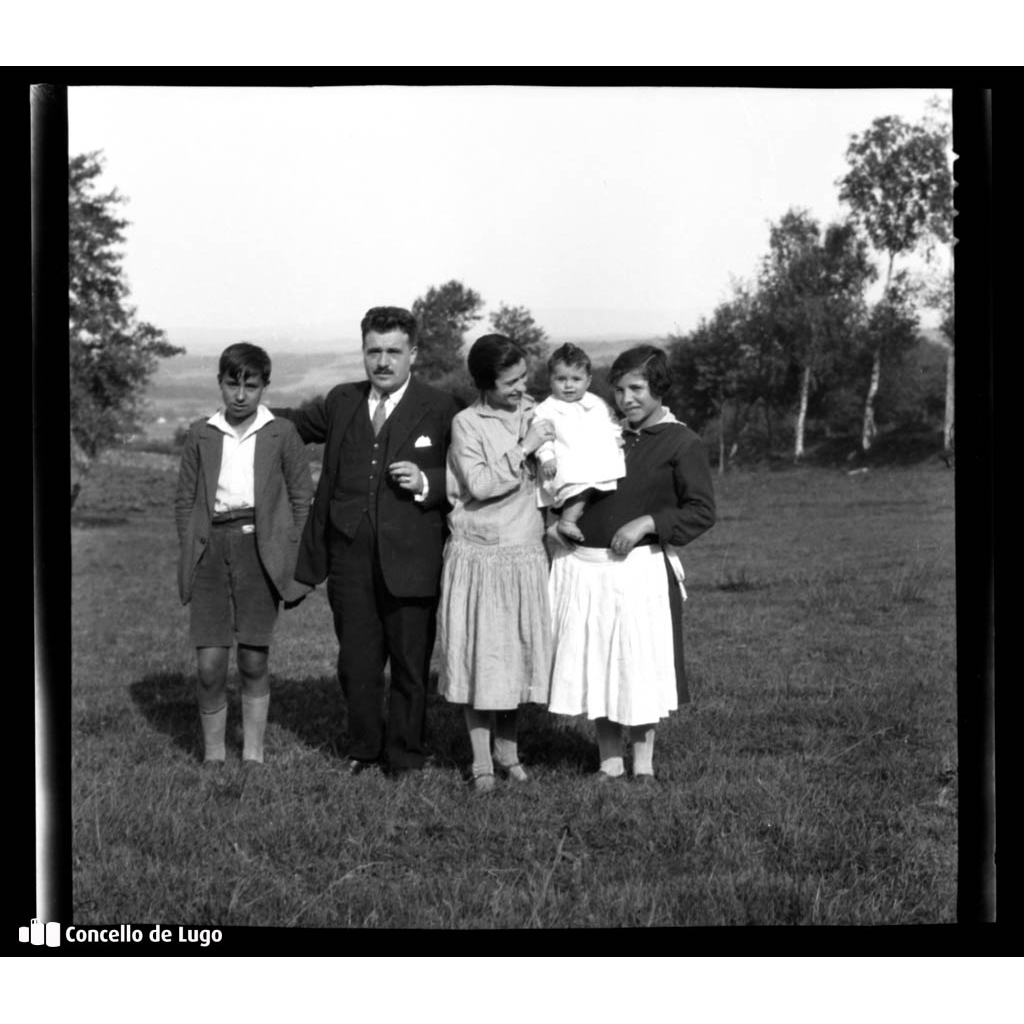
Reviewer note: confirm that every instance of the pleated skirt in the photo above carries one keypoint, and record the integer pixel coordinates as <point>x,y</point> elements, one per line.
<point>494,625</point>
<point>613,636</point>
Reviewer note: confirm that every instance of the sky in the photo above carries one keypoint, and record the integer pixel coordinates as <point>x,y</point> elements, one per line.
<point>281,215</point>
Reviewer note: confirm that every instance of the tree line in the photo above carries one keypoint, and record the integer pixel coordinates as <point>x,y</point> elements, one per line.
<point>804,331</point>
<point>802,338</point>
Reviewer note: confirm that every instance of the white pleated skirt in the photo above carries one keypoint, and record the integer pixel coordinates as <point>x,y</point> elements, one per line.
<point>612,634</point>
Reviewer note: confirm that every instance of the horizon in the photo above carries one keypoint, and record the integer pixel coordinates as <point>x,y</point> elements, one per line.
<point>296,343</point>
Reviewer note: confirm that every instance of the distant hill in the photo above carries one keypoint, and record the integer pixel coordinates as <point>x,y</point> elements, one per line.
<point>185,387</point>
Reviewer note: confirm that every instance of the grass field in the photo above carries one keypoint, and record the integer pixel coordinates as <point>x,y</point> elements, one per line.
<point>811,781</point>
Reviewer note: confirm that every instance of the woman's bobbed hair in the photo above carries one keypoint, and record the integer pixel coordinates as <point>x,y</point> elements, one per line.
<point>491,355</point>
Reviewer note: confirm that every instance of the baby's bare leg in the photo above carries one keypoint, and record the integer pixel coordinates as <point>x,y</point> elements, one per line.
<point>571,512</point>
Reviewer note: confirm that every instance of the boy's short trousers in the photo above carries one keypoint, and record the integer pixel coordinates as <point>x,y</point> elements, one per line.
<point>233,599</point>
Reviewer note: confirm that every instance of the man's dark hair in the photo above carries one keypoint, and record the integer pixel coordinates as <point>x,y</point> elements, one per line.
<point>490,356</point>
<point>243,359</point>
<point>647,360</point>
<point>384,319</point>
<point>570,355</point>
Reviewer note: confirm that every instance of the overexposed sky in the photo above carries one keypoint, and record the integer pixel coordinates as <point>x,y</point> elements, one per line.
<point>281,215</point>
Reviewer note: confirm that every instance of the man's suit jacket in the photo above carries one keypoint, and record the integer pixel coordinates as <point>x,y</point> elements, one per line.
<point>283,488</point>
<point>410,533</point>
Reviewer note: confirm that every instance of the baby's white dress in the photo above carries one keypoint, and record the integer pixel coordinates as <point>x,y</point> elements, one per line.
<point>586,446</point>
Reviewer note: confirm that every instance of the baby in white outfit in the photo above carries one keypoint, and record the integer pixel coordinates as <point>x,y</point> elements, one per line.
<point>586,454</point>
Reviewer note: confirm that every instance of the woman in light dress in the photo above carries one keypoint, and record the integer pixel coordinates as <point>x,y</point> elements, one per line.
<point>616,597</point>
<point>494,626</point>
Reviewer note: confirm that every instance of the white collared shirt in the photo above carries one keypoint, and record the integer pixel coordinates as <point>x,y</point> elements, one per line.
<point>236,484</point>
<point>390,400</point>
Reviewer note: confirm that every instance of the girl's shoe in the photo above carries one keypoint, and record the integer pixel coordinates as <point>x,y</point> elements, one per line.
<point>516,772</point>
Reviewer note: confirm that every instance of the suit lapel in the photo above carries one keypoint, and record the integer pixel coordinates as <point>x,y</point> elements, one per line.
<point>407,414</point>
<point>349,402</point>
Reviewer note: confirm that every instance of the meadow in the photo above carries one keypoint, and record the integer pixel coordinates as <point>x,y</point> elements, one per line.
<point>812,780</point>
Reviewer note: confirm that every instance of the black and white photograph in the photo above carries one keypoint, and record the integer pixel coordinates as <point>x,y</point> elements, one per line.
<point>369,630</point>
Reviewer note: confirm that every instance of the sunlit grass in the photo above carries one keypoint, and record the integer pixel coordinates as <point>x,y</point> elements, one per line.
<point>811,781</point>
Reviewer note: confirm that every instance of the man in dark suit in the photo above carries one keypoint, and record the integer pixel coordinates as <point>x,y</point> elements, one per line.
<point>375,533</point>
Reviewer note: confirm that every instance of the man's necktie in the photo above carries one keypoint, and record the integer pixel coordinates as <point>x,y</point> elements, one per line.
<point>379,416</point>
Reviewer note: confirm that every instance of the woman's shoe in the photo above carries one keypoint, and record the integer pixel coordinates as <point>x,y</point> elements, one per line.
<point>483,783</point>
<point>516,772</point>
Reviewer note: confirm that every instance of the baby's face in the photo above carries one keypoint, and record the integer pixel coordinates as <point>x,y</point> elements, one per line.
<point>569,383</point>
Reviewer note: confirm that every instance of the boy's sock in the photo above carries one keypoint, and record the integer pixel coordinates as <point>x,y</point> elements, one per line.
<point>478,723</point>
<point>214,726</point>
<point>609,747</point>
<point>254,725</point>
<point>643,749</point>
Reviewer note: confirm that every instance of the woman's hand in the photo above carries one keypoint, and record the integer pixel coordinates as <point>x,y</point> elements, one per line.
<point>539,432</point>
<point>630,534</point>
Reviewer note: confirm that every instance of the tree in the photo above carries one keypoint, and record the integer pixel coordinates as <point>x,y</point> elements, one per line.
<point>940,297</point>
<point>900,190</point>
<point>731,361</point>
<point>814,286</point>
<point>517,323</point>
<point>113,355</point>
<point>444,315</point>
<point>893,326</point>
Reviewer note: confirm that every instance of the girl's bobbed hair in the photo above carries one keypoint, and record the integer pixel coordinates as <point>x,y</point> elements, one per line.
<point>647,360</point>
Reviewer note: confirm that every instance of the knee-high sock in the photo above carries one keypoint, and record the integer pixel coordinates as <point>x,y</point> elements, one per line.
<point>609,746</point>
<point>254,725</point>
<point>478,723</point>
<point>214,726</point>
<point>506,745</point>
<point>643,749</point>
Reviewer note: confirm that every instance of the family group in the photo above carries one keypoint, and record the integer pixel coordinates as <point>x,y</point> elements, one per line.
<point>536,543</point>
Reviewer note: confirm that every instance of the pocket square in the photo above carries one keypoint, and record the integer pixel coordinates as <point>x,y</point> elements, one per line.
<point>423,442</point>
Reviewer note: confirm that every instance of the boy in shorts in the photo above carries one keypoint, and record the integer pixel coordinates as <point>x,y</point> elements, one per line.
<point>244,490</point>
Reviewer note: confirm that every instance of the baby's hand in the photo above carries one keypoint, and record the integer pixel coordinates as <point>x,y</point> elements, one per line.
<point>549,469</point>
